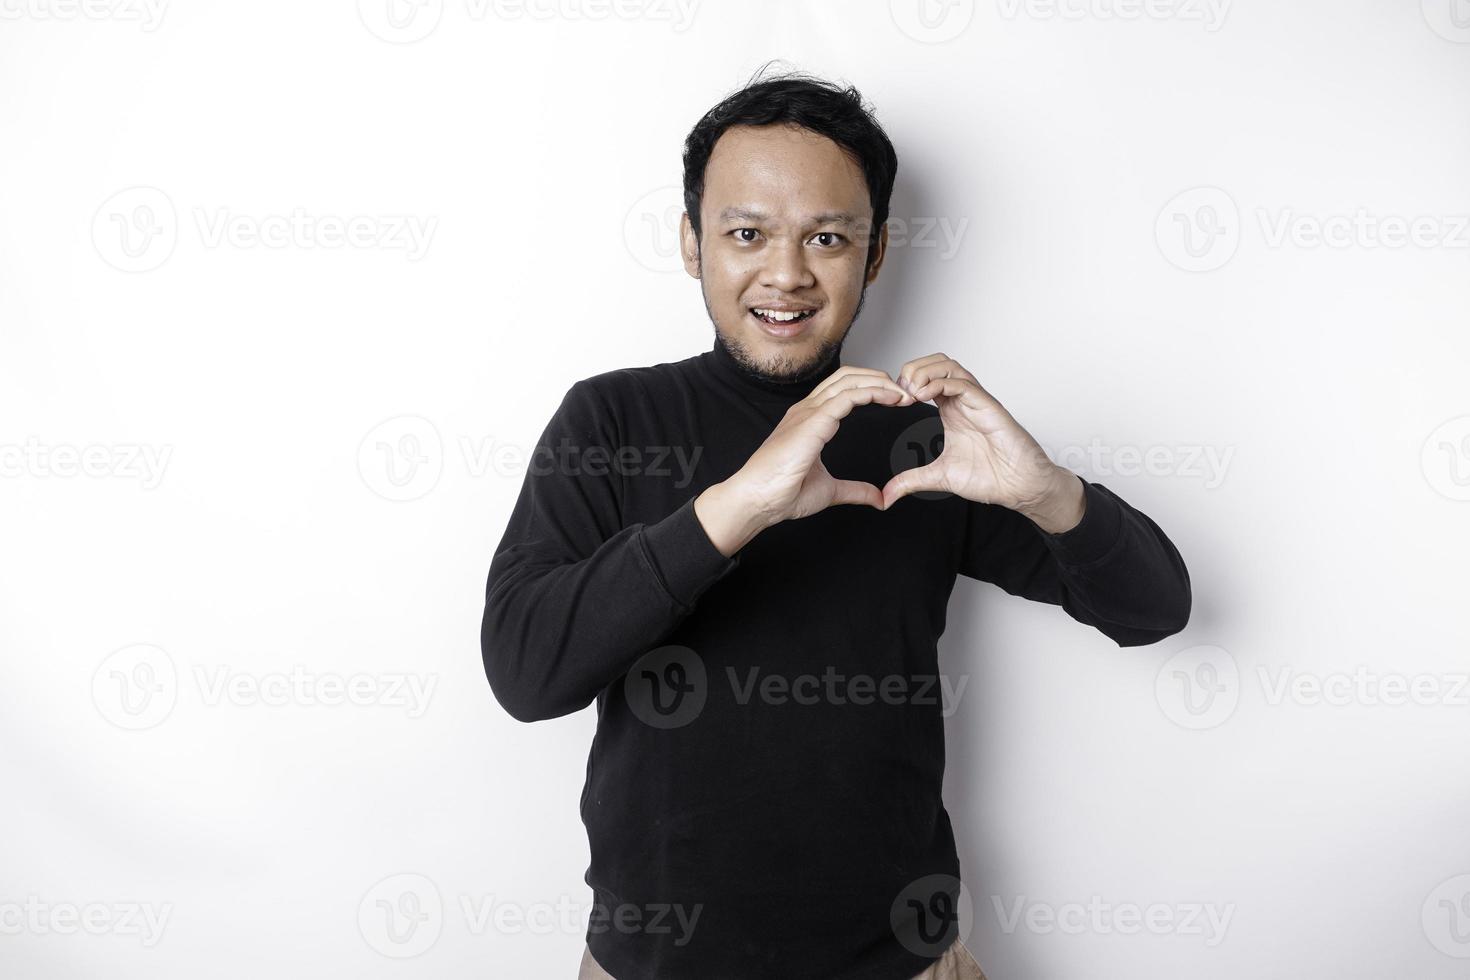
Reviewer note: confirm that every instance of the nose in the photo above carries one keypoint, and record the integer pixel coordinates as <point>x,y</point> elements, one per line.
<point>785,268</point>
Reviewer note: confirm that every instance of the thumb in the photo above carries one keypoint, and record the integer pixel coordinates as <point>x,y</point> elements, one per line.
<point>855,492</point>
<point>929,477</point>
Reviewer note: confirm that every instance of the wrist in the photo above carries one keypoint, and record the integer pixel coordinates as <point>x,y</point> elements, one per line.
<point>729,520</point>
<point>1060,508</point>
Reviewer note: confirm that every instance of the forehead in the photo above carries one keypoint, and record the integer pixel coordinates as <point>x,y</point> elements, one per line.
<point>782,170</point>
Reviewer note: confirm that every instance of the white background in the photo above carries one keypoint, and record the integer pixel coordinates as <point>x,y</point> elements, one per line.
<point>338,433</point>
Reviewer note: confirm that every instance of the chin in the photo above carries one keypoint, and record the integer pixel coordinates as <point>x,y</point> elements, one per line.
<point>780,359</point>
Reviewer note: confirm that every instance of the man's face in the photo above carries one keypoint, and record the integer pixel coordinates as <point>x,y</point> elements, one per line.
<point>786,220</point>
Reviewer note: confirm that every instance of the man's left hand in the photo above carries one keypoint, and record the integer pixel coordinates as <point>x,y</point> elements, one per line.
<point>987,456</point>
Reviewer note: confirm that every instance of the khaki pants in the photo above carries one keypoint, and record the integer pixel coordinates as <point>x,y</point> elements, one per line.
<point>956,963</point>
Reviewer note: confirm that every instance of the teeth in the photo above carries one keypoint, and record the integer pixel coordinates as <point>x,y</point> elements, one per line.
<point>781,317</point>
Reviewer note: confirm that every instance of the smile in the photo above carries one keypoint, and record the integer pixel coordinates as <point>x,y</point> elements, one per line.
<point>780,317</point>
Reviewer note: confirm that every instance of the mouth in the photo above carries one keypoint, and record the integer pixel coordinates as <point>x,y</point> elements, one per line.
<point>782,323</point>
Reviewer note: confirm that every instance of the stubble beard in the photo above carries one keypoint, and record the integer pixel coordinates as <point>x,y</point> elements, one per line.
<point>786,369</point>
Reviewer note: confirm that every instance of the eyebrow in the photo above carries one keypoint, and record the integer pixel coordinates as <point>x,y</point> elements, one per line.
<point>824,218</point>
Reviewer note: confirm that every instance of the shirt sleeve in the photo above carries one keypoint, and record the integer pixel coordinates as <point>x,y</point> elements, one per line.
<point>574,598</point>
<point>1116,570</point>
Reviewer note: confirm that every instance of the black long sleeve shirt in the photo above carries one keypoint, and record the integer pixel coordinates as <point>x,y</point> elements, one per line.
<point>765,781</point>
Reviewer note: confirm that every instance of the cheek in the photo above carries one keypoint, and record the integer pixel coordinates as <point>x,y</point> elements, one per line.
<point>727,277</point>
<point>842,282</point>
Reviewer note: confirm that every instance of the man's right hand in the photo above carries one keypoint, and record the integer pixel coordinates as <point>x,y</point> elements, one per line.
<point>785,479</point>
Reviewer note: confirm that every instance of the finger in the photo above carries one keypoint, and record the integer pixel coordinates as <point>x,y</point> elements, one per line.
<point>947,368</point>
<point>856,492</point>
<point>928,477</point>
<point>864,381</point>
<point>847,371</point>
<point>907,371</point>
<point>823,419</point>
<point>844,400</point>
<point>971,393</point>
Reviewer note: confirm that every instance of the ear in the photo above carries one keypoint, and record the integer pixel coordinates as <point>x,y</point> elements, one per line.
<point>688,245</point>
<point>878,255</point>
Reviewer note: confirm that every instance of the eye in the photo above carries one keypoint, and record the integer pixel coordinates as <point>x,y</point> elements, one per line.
<point>739,234</point>
<point>828,234</point>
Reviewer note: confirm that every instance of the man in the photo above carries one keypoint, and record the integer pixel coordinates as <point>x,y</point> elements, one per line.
<point>763,795</point>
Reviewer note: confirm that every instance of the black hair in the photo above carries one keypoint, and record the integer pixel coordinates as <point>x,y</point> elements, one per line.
<point>835,111</point>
